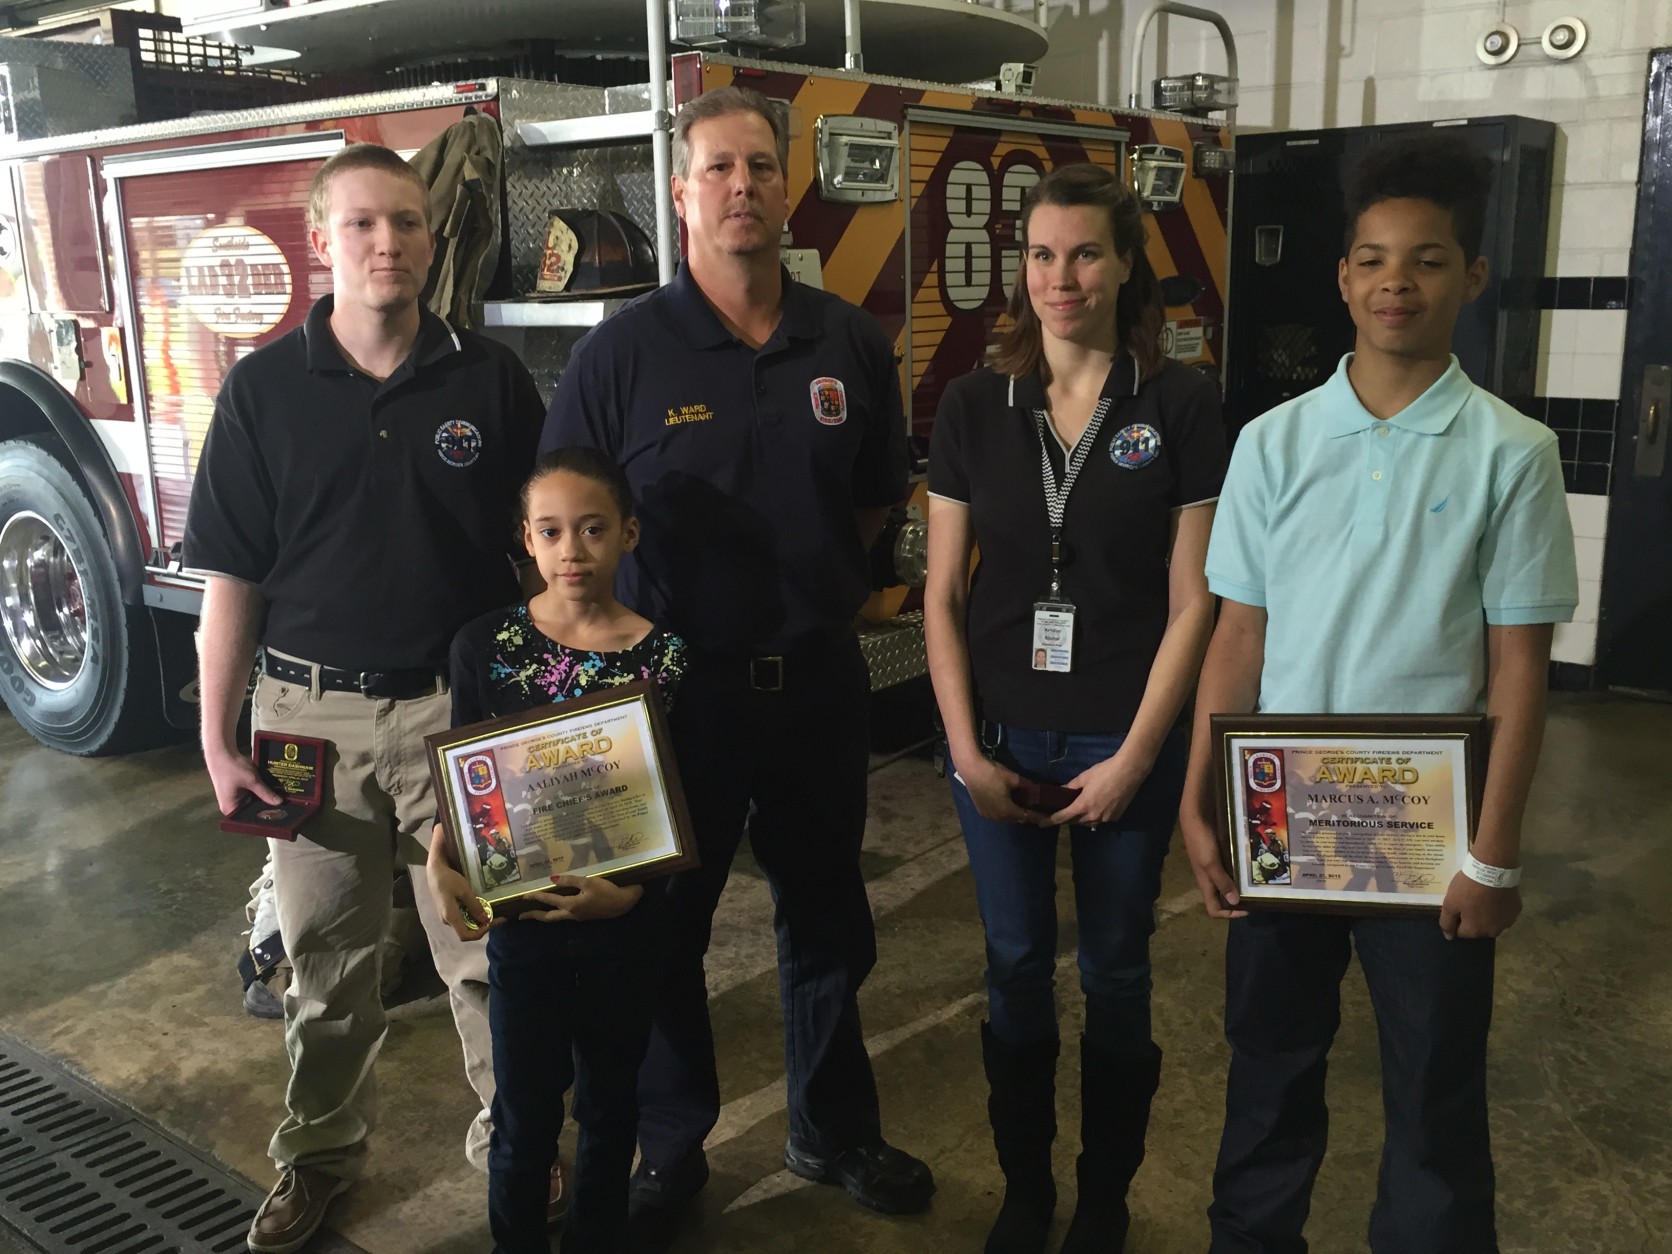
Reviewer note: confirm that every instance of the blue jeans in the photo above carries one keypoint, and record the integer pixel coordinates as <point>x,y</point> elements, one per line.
<point>1117,877</point>
<point>568,1003</point>
<point>1433,1004</point>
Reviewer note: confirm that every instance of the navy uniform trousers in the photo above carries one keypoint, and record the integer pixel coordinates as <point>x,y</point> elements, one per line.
<point>1433,1004</point>
<point>787,765</point>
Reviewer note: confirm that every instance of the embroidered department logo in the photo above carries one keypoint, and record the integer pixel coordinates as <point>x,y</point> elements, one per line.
<point>830,401</point>
<point>1135,447</point>
<point>479,775</point>
<point>458,442</point>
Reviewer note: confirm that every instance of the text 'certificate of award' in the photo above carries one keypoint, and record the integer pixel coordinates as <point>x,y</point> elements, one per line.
<point>583,787</point>
<point>1348,814</point>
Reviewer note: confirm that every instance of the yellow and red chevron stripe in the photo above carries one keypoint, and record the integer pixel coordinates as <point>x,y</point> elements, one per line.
<point>864,249</point>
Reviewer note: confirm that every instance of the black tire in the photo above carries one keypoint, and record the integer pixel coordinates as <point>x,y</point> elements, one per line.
<point>93,688</point>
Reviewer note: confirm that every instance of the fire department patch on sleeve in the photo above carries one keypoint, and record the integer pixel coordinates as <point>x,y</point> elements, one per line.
<point>830,401</point>
<point>458,442</point>
<point>1135,447</point>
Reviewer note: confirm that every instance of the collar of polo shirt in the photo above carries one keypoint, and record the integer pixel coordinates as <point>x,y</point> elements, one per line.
<point>1028,392</point>
<point>1430,414</point>
<point>436,339</point>
<point>699,326</point>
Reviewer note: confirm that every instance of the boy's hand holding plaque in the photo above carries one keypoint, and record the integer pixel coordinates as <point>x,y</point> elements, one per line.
<point>293,767</point>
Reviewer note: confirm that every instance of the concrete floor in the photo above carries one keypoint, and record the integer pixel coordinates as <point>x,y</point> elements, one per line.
<point>121,911</point>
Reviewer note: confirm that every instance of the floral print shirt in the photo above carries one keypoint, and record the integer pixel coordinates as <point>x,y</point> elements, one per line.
<point>503,664</point>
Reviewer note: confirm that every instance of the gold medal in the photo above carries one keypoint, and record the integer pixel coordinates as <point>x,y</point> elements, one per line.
<point>487,909</point>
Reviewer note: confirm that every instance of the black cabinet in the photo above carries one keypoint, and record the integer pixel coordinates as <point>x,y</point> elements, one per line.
<point>1287,325</point>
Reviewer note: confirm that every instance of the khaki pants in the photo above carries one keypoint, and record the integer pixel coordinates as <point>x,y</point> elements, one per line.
<point>332,888</point>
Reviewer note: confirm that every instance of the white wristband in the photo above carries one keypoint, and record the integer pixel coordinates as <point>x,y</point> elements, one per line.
<point>1491,876</point>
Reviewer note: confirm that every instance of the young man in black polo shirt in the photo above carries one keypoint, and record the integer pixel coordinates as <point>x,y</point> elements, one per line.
<point>356,487</point>
<point>759,422</point>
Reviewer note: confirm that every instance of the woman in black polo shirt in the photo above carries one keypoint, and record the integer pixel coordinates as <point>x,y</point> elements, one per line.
<point>1083,466</point>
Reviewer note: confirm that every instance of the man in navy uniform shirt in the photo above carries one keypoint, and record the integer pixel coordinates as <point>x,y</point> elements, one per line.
<point>759,423</point>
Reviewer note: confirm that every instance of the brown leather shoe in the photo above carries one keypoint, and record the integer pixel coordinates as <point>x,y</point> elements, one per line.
<point>294,1210</point>
<point>557,1203</point>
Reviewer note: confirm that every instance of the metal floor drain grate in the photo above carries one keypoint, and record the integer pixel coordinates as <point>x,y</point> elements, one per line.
<point>81,1175</point>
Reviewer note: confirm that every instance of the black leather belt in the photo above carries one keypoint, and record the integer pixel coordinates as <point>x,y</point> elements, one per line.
<point>770,672</point>
<point>766,674</point>
<point>382,685</point>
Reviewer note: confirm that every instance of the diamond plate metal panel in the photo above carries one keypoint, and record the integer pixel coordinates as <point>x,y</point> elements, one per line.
<point>618,177</point>
<point>57,88</point>
<point>107,69</point>
<point>543,350</point>
<point>894,650</point>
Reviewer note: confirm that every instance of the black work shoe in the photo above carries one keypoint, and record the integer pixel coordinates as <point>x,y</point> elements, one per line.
<point>667,1187</point>
<point>1099,1227</point>
<point>876,1175</point>
<point>657,1198</point>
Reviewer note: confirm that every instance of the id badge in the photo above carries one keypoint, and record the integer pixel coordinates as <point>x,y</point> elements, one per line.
<point>1053,636</point>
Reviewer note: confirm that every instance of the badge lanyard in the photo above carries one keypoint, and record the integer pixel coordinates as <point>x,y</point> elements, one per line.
<point>1053,617</point>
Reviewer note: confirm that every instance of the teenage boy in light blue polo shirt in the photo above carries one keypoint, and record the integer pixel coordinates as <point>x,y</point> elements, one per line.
<point>1396,541</point>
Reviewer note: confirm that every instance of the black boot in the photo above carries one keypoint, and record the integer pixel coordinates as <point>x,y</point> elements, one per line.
<point>1115,1094</point>
<point>1022,1107</point>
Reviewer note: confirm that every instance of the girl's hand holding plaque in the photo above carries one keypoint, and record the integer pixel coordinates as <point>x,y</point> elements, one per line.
<point>583,898</point>
<point>461,909</point>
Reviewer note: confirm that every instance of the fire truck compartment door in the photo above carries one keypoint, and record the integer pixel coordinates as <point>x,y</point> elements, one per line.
<point>213,242</point>
<point>63,246</point>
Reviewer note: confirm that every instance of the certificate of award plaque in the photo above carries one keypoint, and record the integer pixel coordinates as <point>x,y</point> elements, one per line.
<point>294,767</point>
<point>587,786</point>
<point>1348,814</point>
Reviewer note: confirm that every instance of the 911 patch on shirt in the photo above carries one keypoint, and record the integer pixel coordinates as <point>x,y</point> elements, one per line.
<point>1135,447</point>
<point>830,401</point>
<point>458,442</point>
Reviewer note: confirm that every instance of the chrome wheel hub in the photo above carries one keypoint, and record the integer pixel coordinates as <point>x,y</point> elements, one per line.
<point>40,601</point>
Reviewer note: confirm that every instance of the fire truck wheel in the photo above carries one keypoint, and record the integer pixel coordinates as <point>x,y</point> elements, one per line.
<point>77,667</point>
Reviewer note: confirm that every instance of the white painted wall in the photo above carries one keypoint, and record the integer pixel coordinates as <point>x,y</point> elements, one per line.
<point>1313,63</point>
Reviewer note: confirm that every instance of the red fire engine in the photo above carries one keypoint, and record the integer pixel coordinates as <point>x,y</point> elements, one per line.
<point>138,261</point>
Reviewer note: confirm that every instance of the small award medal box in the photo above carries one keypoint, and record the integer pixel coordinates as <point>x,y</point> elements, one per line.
<point>294,767</point>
